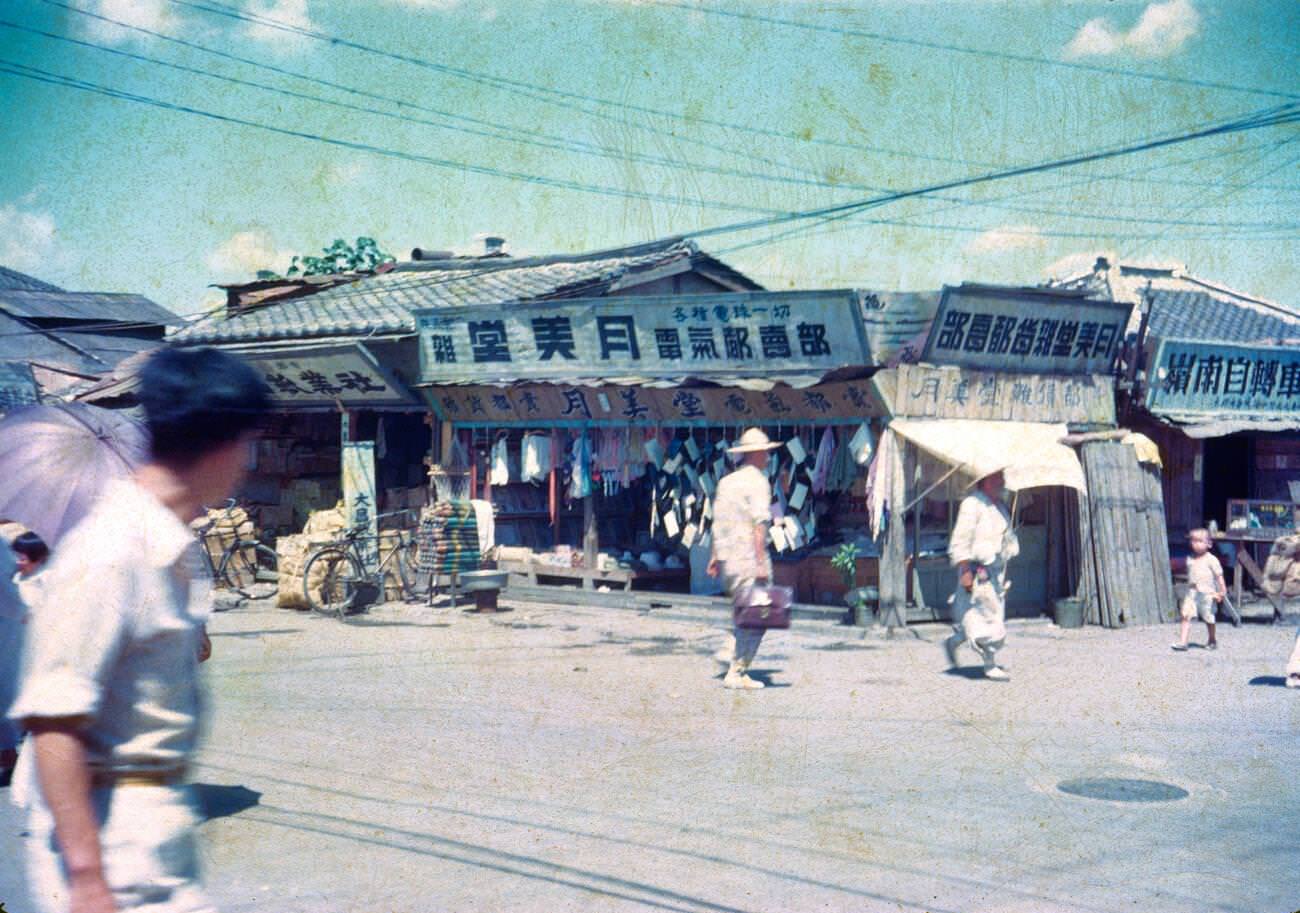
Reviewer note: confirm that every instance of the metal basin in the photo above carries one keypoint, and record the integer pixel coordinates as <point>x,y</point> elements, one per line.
<point>475,581</point>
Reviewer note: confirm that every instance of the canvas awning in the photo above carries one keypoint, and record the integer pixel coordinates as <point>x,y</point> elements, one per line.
<point>1030,454</point>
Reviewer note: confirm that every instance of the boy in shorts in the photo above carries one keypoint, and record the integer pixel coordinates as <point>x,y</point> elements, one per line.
<point>1205,589</point>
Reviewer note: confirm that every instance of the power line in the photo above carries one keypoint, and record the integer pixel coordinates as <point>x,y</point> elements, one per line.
<point>977,52</point>
<point>1278,115</point>
<point>585,148</point>
<point>716,147</point>
<point>569,146</point>
<point>14,68</point>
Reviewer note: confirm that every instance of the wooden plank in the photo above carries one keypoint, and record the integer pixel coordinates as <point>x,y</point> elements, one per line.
<point>893,559</point>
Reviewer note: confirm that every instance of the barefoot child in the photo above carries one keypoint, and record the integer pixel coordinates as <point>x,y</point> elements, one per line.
<point>1206,589</point>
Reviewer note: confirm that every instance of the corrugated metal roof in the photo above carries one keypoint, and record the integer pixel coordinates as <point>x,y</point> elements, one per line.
<point>1200,315</point>
<point>384,304</point>
<point>19,341</point>
<point>96,306</point>
<point>12,279</point>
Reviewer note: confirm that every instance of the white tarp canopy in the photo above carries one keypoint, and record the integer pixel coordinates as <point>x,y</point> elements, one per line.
<point>1030,454</point>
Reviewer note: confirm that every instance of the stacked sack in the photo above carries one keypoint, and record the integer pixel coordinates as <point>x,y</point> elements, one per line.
<point>1282,570</point>
<point>292,553</point>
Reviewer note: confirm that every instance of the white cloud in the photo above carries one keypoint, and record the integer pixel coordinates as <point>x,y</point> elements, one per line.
<point>27,238</point>
<point>338,175</point>
<point>292,13</point>
<point>241,255</point>
<point>1161,30</point>
<point>154,15</point>
<point>1006,238</point>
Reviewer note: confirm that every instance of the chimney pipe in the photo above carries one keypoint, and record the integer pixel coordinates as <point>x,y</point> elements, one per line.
<point>493,245</point>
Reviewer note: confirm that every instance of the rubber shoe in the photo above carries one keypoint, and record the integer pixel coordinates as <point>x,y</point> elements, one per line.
<point>1178,648</point>
<point>997,674</point>
<point>1293,680</point>
<point>1213,646</point>
<point>740,682</point>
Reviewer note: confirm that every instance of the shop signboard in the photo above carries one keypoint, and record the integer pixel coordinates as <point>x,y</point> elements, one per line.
<point>1191,377</point>
<point>743,334</point>
<point>1036,331</point>
<point>360,500</point>
<point>17,386</point>
<point>927,391</point>
<point>326,375</point>
<point>844,401</point>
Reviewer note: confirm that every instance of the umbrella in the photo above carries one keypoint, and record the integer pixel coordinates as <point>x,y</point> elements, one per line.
<point>55,461</point>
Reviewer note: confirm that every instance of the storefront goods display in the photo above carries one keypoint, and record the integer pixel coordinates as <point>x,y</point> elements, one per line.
<point>448,538</point>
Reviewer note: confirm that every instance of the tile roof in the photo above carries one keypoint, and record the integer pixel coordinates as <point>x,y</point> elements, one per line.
<point>12,279</point>
<point>384,304</point>
<point>1187,314</point>
<point>93,306</point>
<point>1186,307</point>
<point>21,342</point>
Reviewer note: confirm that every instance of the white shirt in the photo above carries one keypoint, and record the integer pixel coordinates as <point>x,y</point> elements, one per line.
<point>117,635</point>
<point>1203,573</point>
<point>983,532</point>
<point>744,500</point>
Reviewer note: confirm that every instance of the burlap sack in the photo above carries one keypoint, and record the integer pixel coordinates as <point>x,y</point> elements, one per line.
<point>291,555</point>
<point>1282,569</point>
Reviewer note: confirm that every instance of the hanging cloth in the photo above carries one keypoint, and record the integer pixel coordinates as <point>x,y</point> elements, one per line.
<point>844,468</point>
<point>822,465</point>
<point>580,481</point>
<point>381,440</point>
<point>535,457</point>
<point>499,474</point>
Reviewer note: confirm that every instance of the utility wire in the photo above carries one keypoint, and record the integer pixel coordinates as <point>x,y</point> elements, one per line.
<point>577,144</point>
<point>14,68</point>
<point>729,150</point>
<point>977,52</point>
<point>1279,115</point>
<point>582,148</point>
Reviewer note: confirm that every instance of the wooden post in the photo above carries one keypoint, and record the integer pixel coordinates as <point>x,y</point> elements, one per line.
<point>893,558</point>
<point>590,537</point>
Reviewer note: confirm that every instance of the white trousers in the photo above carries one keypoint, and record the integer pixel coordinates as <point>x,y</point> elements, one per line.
<point>147,837</point>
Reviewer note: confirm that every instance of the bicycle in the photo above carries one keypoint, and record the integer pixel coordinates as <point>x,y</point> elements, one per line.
<point>337,572</point>
<point>244,562</point>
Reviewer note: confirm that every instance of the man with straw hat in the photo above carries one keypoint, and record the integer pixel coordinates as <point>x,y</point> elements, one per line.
<point>742,514</point>
<point>982,543</point>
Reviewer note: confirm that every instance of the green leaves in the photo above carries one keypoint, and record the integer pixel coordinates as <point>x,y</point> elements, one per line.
<point>341,257</point>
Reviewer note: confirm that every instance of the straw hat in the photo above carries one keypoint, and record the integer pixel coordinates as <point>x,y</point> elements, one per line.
<point>752,441</point>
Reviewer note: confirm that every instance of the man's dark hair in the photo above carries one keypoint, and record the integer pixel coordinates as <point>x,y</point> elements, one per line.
<point>32,546</point>
<point>197,400</point>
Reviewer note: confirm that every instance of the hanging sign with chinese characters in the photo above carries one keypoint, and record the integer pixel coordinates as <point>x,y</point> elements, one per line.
<point>1190,377</point>
<point>17,386</point>
<point>347,374</point>
<point>1039,331</point>
<point>360,500</point>
<point>925,391</point>
<point>844,401</point>
<point>749,334</point>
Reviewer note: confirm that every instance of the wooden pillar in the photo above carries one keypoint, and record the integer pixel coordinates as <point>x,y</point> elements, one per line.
<point>893,557</point>
<point>590,537</point>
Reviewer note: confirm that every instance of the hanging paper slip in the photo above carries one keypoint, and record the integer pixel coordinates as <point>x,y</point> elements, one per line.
<point>797,496</point>
<point>670,524</point>
<point>797,452</point>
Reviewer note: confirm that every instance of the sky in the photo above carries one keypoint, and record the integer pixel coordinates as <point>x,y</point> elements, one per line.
<point>573,125</point>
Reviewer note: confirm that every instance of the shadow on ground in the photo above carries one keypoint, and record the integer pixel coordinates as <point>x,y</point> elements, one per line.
<point>215,801</point>
<point>1269,681</point>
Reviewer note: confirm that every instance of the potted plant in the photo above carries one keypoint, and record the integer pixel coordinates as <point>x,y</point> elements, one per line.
<point>845,560</point>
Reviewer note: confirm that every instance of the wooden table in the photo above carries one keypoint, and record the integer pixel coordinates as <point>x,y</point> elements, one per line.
<point>1246,561</point>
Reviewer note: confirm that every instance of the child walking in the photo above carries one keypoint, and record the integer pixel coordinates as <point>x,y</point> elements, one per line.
<point>1206,590</point>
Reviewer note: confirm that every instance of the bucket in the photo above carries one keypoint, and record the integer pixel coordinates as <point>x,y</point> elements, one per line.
<point>1069,612</point>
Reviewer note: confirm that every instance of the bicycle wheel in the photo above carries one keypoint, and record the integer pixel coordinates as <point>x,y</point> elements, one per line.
<point>330,580</point>
<point>248,562</point>
<point>407,564</point>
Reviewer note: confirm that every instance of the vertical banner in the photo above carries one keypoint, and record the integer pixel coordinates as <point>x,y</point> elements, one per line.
<point>359,499</point>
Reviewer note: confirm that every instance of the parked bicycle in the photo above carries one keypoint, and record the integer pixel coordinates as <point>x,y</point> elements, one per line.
<point>338,575</point>
<point>244,561</point>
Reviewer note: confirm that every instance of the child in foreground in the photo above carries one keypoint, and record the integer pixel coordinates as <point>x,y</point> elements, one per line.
<point>1206,589</point>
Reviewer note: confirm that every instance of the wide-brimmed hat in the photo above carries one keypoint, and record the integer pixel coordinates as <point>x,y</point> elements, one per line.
<point>752,441</point>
